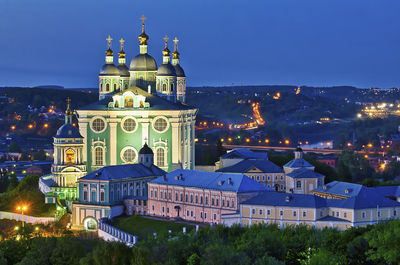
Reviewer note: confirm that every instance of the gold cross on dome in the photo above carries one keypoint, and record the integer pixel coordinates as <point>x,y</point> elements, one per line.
<point>166,40</point>
<point>143,18</point>
<point>109,39</point>
<point>122,41</point>
<point>176,42</point>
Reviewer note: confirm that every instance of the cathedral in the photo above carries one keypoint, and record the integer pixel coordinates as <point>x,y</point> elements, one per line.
<point>143,104</point>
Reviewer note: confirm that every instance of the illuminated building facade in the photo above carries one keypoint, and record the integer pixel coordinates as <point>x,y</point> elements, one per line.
<point>132,111</point>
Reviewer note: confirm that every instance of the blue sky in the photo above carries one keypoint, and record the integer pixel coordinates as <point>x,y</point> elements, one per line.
<point>307,42</point>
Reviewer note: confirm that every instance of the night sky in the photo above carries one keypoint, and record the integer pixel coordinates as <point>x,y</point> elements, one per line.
<point>294,42</point>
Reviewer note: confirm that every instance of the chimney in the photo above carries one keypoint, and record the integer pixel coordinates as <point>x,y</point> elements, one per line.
<point>164,177</point>
<point>288,198</point>
<point>229,181</point>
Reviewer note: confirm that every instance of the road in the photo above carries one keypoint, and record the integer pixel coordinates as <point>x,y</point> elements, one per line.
<point>284,148</point>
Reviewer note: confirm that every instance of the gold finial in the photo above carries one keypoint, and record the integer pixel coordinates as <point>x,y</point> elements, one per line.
<point>176,43</point>
<point>143,18</point>
<point>166,41</point>
<point>68,111</point>
<point>109,39</point>
<point>122,41</point>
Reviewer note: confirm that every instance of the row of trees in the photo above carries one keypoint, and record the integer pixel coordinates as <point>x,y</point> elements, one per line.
<point>257,245</point>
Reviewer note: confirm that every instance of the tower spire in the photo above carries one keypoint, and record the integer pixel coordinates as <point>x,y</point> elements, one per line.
<point>143,18</point>
<point>68,112</point>
<point>166,52</point>
<point>143,38</point>
<point>175,54</point>
<point>122,52</point>
<point>109,52</point>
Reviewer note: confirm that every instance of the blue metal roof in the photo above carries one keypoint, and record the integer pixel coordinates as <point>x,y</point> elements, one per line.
<point>245,153</point>
<point>298,163</point>
<point>365,199</point>
<point>243,166</point>
<point>124,171</point>
<point>68,131</point>
<point>341,188</point>
<point>287,199</point>
<point>388,191</point>
<point>211,180</point>
<point>304,173</point>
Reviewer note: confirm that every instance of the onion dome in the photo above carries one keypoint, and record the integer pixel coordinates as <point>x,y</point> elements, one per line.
<point>166,70</point>
<point>109,69</point>
<point>109,52</point>
<point>175,60</point>
<point>143,62</point>
<point>123,70</point>
<point>145,150</point>
<point>143,37</point>
<point>68,131</point>
<point>179,71</point>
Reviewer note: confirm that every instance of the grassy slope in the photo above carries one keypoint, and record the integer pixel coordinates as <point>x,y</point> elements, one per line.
<point>144,227</point>
<point>27,192</point>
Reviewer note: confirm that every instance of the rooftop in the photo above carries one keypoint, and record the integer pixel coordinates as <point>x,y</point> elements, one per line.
<point>124,171</point>
<point>156,102</point>
<point>243,166</point>
<point>298,163</point>
<point>341,188</point>
<point>211,180</point>
<point>287,199</point>
<point>244,153</point>
<point>304,173</point>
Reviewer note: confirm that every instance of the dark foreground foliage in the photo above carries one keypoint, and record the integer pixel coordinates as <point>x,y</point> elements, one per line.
<point>378,244</point>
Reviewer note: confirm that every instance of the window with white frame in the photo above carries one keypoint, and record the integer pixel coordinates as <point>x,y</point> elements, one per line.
<point>129,125</point>
<point>98,156</point>
<point>160,157</point>
<point>160,124</point>
<point>98,125</point>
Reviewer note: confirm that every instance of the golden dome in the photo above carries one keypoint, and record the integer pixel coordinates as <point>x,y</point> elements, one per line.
<point>109,52</point>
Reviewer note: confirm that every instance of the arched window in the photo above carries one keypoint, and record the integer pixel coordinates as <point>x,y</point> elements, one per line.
<point>160,157</point>
<point>172,87</point>
<point>126,86</point>
<point>98,156</point>
<point>70,156</point>
<point>101,87</point>
<point>108,87</point>
<point>164,87</point>
<point>116,104</point>
<point>115,87</point>
<point>128,102</point>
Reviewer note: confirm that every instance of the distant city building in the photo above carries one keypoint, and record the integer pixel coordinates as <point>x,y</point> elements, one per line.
<point>329,160</point>
<point>200,196</point>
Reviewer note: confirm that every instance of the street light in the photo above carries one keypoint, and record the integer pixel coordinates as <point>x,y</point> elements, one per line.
<point>22,208</point>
